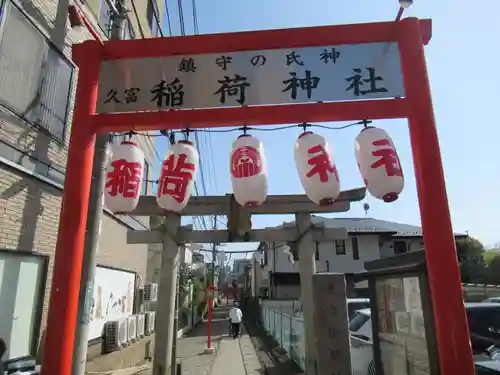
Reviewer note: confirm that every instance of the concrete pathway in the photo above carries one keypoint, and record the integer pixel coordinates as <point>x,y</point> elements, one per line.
<point>230,357</point>
<point>236,357</point>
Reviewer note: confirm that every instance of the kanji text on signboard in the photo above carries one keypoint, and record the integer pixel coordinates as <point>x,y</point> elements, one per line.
<point>311,74</point>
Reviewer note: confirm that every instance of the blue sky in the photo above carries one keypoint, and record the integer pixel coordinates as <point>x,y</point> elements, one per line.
<point>462,57</point>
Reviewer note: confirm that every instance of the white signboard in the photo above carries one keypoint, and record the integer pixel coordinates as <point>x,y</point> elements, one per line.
<point>113,298</point>
<point>311,74</point>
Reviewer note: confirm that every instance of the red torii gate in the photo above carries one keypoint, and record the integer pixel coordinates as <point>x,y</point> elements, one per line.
<point>411,34</point>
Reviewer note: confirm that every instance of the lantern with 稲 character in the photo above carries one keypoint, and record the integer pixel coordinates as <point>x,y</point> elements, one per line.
<point>317,170</point>
<point>177,176</point>
<point>248,171</point>
<point>124,177</point>
<point>379,164</point>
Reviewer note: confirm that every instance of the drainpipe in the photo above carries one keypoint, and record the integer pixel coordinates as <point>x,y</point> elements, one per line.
<point>77,19</point>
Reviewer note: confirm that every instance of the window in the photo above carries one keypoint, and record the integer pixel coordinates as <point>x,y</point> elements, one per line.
<point>399,247</point>
<point>316,253</point>
<point>22,285</point>
<point>153,18</point>
<point>36,79</point>
<point>340,247</point>
<point>355,248</point>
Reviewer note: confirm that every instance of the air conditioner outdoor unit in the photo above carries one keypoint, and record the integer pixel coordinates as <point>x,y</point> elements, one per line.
<point>150,292</point>
<point>132,328</point>
<point>149,323</point>
<point>140,325</point>
<point>115,335</point>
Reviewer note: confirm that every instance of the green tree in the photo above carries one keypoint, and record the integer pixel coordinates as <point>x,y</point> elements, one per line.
<point>470,257</point>
<point>489,255</point>
<point>493,271</point>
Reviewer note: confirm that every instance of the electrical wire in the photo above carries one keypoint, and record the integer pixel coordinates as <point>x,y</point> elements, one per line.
<point>181,18</point>
<point>304,126</point>
<point>156,17</point>
<point>167,14</point>
<point>141,30</point>
<point>195,18</point>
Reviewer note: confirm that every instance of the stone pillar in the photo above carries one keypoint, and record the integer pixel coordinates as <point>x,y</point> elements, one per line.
<point>331,324</point>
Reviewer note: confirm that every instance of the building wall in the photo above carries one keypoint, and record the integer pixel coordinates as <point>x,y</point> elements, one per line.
<point>370,247</point>
<point>29,221</point>
<point>35,61</point>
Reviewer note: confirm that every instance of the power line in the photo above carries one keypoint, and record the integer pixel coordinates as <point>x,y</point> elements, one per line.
<point>195,18</point>
<point>156,16</point>
<point>181,18</point>
<point>167,14</point>
<point>141,31</point>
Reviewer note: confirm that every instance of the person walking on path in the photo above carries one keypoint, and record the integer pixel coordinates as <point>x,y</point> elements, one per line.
<point>235,318</point>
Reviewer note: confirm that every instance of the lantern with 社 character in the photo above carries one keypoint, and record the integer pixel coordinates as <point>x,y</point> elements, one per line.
<point>379,164</point>
<point>248,171</point>
<point>124,177</point>
<point>177,176</point>
<point>317,170</point>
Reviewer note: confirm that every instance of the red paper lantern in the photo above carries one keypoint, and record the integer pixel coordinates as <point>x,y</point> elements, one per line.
<point>379,164</point>
<point>124,177</point>
<point>248,171</point>
<point>317,170</point>
<point>177,176</point>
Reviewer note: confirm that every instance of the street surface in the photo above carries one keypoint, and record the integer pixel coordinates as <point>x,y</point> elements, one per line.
<point>230,357</point>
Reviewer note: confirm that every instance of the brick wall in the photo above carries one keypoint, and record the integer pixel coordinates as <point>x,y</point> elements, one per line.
<point>29,220</point>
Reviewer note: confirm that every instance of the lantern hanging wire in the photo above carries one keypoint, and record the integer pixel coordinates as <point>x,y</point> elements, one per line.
<point>245,129</point>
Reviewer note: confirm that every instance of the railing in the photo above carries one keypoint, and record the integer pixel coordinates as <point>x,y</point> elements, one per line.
<point>288,331</point>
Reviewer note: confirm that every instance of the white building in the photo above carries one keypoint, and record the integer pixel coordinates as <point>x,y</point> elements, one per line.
<point>368,239</point>
<point>239,266</point>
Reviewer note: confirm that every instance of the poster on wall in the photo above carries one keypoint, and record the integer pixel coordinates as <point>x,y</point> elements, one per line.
<point>113,298</point>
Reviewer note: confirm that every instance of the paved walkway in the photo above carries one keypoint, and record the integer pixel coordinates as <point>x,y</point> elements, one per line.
<point>230,357</point>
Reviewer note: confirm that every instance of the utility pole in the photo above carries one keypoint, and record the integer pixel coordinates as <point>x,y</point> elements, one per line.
<point>214,253</point>
<point>118,18</point>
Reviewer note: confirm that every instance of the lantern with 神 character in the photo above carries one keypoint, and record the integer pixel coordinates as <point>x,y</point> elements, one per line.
<point>316,167</point>
<point>248,171</point>
<point>379,164</point>
<point>177,176</point>
<point>124,177</point>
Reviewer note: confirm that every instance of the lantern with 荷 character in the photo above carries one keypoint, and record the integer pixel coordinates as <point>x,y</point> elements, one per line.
<point>248,171</point>
<point>317,170</point>
<point>177,176</point>
<point>379,164</point>
<point>124,177</point>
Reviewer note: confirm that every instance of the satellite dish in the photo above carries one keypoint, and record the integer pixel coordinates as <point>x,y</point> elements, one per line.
<point>366,207</point>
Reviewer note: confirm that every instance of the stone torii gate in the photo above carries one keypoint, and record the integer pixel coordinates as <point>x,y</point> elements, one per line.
<point>171,235</point>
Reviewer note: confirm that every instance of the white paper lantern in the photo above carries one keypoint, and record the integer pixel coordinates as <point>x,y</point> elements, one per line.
<point>124,176</point>
<point>248,171</point>
<point>177,176</point>
<point>379,164</point>
<point>317,169</point>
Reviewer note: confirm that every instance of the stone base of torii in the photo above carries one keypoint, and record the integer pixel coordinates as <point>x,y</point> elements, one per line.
<point>172,235</point>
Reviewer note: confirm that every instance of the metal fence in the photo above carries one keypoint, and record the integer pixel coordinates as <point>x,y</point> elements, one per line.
<point>288,331</point>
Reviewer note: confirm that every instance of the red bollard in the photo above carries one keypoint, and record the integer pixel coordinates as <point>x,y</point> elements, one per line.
<point>210,298</point>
